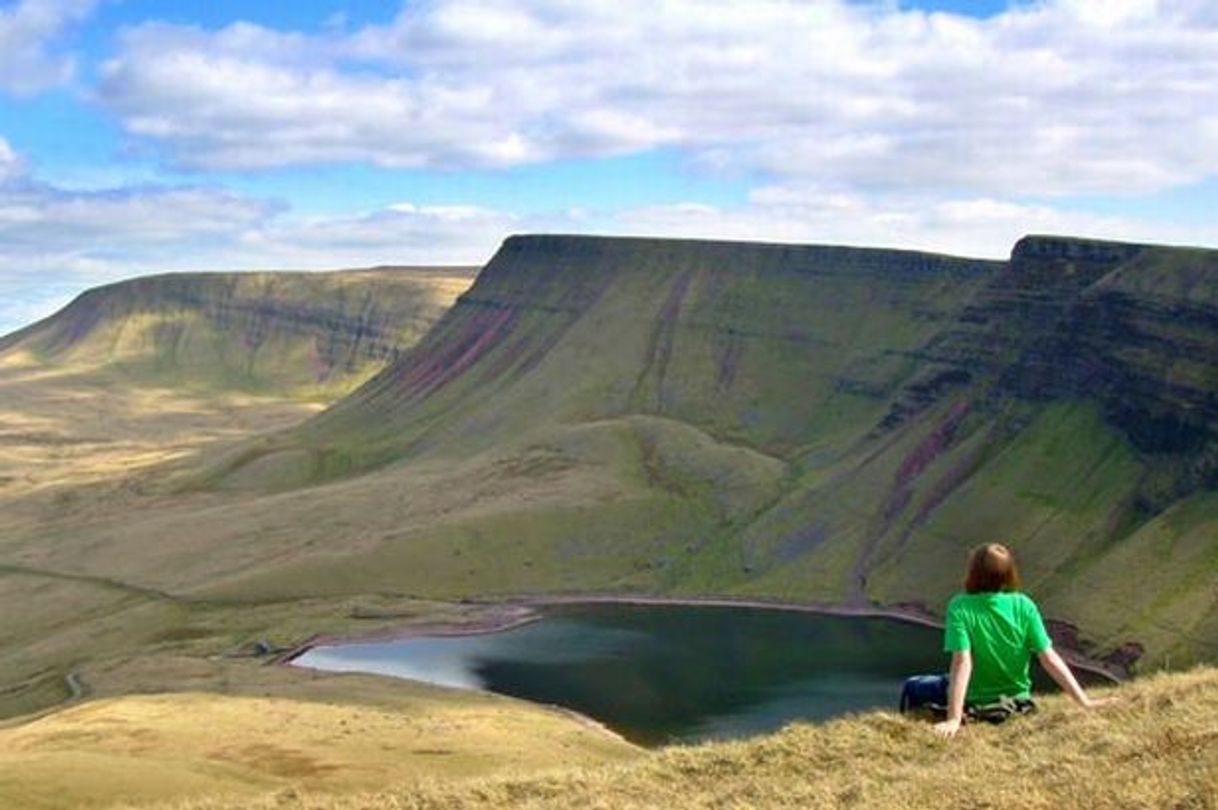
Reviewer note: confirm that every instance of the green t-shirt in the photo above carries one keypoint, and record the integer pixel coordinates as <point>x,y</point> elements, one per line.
<point>1003,631</point>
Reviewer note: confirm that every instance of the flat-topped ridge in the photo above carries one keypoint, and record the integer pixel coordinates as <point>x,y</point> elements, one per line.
<point>702,249</point>
<point>1039,246</point>
<point>263,331</point>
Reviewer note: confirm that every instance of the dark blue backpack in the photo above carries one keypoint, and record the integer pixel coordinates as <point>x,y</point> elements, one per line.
<point>927,693</point>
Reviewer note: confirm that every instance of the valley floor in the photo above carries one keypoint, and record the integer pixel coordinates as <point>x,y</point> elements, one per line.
<point>130,605</point>
<point>116,690</point>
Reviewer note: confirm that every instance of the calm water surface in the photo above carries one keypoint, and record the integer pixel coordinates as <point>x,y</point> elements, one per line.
<point>664,674</point>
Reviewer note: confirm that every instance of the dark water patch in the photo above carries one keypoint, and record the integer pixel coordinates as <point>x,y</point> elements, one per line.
<point>672,673</point>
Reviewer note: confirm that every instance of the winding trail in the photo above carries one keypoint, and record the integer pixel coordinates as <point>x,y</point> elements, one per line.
<point>76,687</point>
<point>103,582</point>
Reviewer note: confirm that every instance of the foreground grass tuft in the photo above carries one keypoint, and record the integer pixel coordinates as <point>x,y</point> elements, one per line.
<point>1157,747</point>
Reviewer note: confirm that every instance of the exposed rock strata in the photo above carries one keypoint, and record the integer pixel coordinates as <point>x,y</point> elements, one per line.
<point>247,329</point>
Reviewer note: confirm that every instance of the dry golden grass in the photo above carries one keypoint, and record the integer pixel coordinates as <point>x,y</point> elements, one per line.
<point>317,732</point>
<point>1156,748</point>
<point>96,559</point>
<point>88,543</point>
<point>72,425</point>
<point>73,442</point>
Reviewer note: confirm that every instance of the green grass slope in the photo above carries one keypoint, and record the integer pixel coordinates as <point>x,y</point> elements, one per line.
<point>130,377</point>
<point>605,414</point>
<point>760,345</point>
<point>815,423</point>
<point>284,334</point>
<point>665,417</point>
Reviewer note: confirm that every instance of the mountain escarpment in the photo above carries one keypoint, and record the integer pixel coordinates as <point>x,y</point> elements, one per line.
<point>814,423</point>
<point>763,345</point>
<point>311,334</point>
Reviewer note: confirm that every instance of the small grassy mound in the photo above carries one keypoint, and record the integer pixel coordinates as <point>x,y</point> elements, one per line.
<point>323,733</point>
<point>1156,747</point>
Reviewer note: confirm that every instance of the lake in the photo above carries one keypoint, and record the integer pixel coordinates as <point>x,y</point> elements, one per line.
<point>661,674</point>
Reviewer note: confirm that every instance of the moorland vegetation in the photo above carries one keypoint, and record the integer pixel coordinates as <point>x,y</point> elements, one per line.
<point>195,468</point>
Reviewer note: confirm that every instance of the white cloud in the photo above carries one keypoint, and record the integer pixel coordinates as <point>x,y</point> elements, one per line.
<point>1112,12</point>
<point>38,219</point>
<point>26,301</point>
<point>1064,96</point>
<point>56,242</point>
<point>29,31</point>
<point>400,234</point>
<point>125,231</point>
<point>982,227</point>
<point>11,166</point>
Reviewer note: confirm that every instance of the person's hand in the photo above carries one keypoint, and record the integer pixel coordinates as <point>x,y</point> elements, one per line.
<point>1096,703</point>
<point>947,728</point>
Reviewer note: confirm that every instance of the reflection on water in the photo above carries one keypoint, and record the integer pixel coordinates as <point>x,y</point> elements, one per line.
<point>662,674</point>
<point>457,660</point>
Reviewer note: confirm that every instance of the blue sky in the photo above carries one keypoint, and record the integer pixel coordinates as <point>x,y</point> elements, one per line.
<point>142,136</point>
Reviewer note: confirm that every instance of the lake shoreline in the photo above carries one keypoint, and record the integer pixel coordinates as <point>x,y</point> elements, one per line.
<point>511,612</point>
<point>498,618</point>
<point>902,613</point>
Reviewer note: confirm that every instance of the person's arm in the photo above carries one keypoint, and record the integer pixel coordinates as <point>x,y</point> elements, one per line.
<point>1060,672</point>
<point>1040,643</point>
<point>958,678</point>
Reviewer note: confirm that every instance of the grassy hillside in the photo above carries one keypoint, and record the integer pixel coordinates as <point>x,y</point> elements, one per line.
<point>798,422</point>
<point>606,414</point>
<point>273,729</point>
<point>313,335</point>
<point>602,415</point>
<point>648,416</point>
<point>1156,747</point>
<point>143,373</point>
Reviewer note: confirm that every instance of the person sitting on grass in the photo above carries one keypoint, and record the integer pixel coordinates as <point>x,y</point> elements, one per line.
<point>992,631</point>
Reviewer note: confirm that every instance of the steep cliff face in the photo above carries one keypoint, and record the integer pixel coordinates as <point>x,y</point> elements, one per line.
<point>1073,416</point>
<point>1131,328</point>
<point>310,333</point>
<point>1020,333</point>
<point>767,345</point>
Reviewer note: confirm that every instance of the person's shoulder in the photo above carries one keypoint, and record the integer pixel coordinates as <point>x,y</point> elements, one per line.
<point>1024,601</point>
<point>959,601</point>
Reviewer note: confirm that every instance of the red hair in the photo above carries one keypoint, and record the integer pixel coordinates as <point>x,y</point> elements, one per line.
<point>991,568</point>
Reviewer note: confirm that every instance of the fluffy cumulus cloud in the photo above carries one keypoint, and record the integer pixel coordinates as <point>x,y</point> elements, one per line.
<point>11,166</point>
<point>1062,96</point>
<point>55,242</point>
<point>399,234</point>
<point>984,227</point>
<point>854,122</point>
<point>29,34</point>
